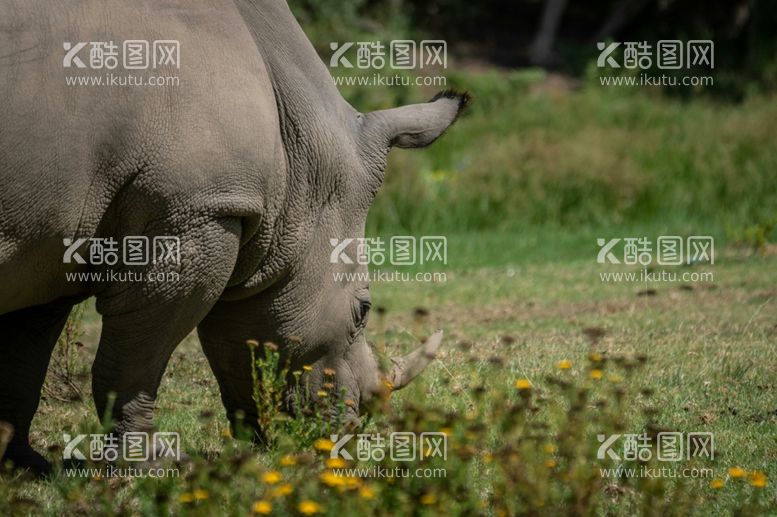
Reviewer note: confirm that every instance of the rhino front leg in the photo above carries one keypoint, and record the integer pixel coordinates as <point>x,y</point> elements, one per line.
<point>27,338</point>
<point>143,323</point>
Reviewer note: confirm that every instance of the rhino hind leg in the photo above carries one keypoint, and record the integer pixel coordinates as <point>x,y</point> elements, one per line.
<point>27,338</point>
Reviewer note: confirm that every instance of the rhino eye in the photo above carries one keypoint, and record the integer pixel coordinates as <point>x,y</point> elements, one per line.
<point>364,310</point>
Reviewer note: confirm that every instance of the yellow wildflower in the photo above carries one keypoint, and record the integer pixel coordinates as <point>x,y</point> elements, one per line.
<point>523,384</point>
<point>335,463</point>
<point>758,479</point>
<point>308,507</point>
<point>564,364</point>
<point>596,374</point>
<point>717,483</point>
<point>263,507</point>
<point>271,477</point>
<point>200,494</point>
<point>428,499</point>
<point>329,478</point>
<point>366,492</point>
<point>323,444</point>
<point>186,497</point>
<point>307,368</point>
<point>283,490</point>
<point>288,460</point>
<point>737,472</point>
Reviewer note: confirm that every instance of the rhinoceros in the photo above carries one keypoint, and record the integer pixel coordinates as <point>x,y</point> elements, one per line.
<point>253,163</point>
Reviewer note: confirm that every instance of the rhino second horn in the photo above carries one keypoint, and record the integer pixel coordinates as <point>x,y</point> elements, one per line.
<point>406,368</point>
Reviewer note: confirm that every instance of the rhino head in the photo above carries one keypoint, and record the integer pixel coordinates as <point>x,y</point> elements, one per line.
<point>313,306</point>
<point>317,305</point>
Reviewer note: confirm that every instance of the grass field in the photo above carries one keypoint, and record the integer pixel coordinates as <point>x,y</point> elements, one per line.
<point>674,357</point>
<point>522,186</point>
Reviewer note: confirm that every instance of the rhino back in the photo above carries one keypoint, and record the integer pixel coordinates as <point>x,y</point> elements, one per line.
<point>79,161</point>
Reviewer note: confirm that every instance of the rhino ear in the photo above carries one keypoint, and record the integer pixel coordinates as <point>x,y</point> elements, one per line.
<point>417,125</point>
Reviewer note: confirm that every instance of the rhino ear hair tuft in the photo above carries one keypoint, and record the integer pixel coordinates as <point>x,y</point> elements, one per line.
<point>464,98</point>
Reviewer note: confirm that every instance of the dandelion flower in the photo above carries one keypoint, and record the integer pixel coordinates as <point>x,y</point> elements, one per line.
<point>271,477</point>
<point>288,461</point>
<point>186,497</point>
<point>428,499</point>
<point>564,364</point>
<point>351,482</point>
<point>549,448</point>
<point>717,483</point>
<point>366,492</point>
<point>335,463</point>
<point>262,507</point>
<point>283,490</point>
<point>596,358</point>
<point>550,464</point>
<point>758,479</point>
<point>322,394</point>
<point>200,494</point>
<point>737,472</point>
<point>307,368</point>
<point>308,507</point>
<point>523,384</point>
<point>323,444</point>
<point>331,479</point>
<point>596,374</point>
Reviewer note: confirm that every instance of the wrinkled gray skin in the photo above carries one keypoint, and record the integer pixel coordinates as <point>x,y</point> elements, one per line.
<point>254,161</point>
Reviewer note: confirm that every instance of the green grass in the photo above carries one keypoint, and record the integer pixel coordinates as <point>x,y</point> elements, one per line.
<point>710,364</point>
<point>527,154</point>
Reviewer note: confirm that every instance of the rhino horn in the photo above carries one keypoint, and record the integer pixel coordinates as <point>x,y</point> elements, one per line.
<point>406,368</point>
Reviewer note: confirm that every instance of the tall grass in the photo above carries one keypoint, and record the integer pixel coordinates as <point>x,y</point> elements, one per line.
<point>526,156</point>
